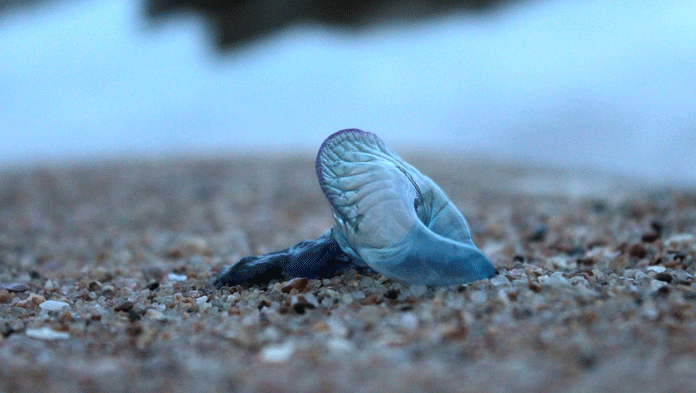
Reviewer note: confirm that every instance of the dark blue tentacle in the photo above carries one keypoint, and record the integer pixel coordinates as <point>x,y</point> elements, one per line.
<point>319,258</point>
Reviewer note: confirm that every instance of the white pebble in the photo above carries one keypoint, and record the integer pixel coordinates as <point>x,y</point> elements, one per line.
<point>555,280</point>
<point>333,294</point>
<point>657,284</point>
<point>277,353</point>
<point>409,321</point>
<point>358,295</point>
<point>53,305</point>
<point>580,280</point>
<point>649,311</point>
<point>499,280</point>
<point>311,299</point>
<point>679,239</point>
<point>176,277</point>
<point>339,345</point>
<point>46,333</point>
<point>326,302</point>
<point>157,315</point>
<point>657,269</point>
<point>683,275</point>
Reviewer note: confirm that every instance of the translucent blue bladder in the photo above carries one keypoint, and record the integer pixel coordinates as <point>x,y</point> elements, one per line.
<point>389,218</point>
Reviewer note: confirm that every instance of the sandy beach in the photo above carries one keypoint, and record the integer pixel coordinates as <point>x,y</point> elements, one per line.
<point>106,274</point>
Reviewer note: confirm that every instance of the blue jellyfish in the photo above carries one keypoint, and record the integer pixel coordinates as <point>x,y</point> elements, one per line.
<point>389,218</point>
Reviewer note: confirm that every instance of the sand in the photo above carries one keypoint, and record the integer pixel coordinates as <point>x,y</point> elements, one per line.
<point>106,271</point>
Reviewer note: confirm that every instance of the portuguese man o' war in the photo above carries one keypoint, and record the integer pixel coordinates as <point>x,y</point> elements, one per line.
<point>389,218</point>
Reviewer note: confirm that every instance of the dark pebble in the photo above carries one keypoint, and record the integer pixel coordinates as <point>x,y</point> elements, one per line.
<point>539,234</point>
<point>666,277</point>
<point>662,292</point>
<point>125,306</point>
<point>392,294</point>
<point>16,287</point>
<point>372,299</point>
<point>637,251</point>
<point>301,307</point>
<point>656,226</point>
<point>134,330</point>
<point>133,315</point>
<point>153,285</point>
<point>263,303</point>
<point>175,253</point>
<point>94,286</point>
<point>576,251</point>
<point>650,237</point>
<point>4,295</point>
<point>6,330</point>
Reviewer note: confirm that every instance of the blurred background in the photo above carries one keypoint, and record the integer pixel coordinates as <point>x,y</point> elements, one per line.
<point>572,83</point>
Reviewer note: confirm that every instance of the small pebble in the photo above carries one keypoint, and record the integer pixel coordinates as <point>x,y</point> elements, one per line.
<point>177,277</point>
<point>656,285</point>
<point>637,251</point>
<point>666,277</point>
<point>53,305</point>
<point>372,299</point>
<point>339,345</point>
<point>277,353</point>
<point>16,287</point>
<point>656,268</point>
<point>125,306</point>
<point>156,315</point>
<point>358,295</point>
<point>4,295</point>
<point>409,321</point>
<point>650,237</point>
<point>538,235</point>
<point>153,285</point>
<point>454,332</point>
<point>298,283</point>
<point>499,280</point>
<point>301,306</point>
<point>555,280</point>
<point>32,301</point>
<point>48,334</point>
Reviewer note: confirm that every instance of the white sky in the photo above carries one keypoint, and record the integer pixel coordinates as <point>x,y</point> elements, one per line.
<point>610,85</point>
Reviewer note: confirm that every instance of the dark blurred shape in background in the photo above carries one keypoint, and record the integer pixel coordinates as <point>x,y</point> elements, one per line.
<point>236,22</point>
